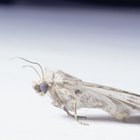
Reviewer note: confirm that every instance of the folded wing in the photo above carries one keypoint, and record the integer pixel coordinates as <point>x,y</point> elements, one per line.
<point>118,103</point>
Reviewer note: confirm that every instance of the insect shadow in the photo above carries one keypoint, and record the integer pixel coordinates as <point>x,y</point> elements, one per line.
<point>106,118</point>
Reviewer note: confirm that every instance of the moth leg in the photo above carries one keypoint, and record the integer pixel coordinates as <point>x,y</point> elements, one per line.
<point>75,114</point>
<point>124,120</point>
<point>69,114</point>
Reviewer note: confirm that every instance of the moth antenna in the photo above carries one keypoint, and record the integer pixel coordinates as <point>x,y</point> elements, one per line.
<point>33,69</point>
<point>31,63</point>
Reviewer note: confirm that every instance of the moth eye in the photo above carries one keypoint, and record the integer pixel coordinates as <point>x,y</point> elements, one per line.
<point>44,87</point>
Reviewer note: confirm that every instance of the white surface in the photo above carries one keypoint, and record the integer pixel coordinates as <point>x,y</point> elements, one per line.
<point>100,46</point>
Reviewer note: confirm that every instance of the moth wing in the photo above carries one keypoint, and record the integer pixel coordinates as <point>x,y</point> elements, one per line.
<point>130,99</point>
<point>118,103</point>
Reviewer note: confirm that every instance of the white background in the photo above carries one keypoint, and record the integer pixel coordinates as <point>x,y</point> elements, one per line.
<point>97,45</point>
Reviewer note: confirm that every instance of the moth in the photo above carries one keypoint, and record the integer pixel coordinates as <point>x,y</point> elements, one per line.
<point>70,94</point>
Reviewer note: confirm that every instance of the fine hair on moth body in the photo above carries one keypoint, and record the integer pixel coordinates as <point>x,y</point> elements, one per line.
<point>70,94</point>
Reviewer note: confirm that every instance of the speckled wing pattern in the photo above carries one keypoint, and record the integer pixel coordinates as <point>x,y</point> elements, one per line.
<point>119,103</point>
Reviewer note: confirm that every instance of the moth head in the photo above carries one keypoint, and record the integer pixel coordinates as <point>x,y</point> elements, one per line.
<point>41,87</point>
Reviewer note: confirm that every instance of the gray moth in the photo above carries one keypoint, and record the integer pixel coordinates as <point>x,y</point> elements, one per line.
<point>70,94</point>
